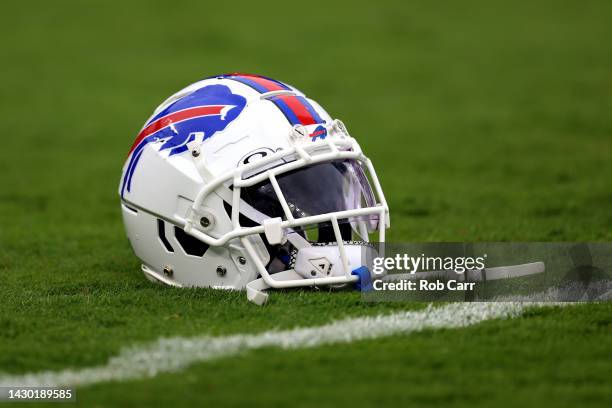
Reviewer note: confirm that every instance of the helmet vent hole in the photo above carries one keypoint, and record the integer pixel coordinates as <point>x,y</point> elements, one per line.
<point>161,231</point>
<point>190,244</point>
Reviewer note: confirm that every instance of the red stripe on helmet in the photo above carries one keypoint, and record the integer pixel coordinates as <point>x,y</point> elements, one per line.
<point>267,83</point>
<point>298,109</point>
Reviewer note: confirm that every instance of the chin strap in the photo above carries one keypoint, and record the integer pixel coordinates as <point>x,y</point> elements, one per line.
<point>297,240</point>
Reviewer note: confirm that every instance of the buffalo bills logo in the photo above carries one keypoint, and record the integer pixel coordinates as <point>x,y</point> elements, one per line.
<point>320,132</point>
<point>198,115</point>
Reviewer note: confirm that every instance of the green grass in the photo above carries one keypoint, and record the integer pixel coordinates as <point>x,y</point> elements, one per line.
<point>485,120</point>
<point>497,363</point>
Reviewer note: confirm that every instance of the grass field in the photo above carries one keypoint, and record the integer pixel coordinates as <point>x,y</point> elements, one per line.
<point>485,120</point>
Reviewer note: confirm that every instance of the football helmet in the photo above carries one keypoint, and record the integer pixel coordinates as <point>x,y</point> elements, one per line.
<point>240,181</point>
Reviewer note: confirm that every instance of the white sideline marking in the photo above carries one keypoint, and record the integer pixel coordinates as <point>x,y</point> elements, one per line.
<point>174,354</point>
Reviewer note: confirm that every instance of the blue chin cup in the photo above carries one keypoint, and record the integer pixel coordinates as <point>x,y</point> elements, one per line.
<point>364,284</point>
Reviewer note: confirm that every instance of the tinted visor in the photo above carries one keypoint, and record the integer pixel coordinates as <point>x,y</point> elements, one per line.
<point>313,190</point>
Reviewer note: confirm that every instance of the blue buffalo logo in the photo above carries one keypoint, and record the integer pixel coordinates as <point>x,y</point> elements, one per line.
<point>320,132</point>
<point>200,115</point>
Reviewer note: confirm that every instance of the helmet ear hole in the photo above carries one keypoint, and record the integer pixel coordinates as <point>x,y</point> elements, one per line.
<point>271,250</point>
<point>191,245</point>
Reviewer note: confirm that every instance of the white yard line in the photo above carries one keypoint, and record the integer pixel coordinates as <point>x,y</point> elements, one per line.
<point>174,354</point>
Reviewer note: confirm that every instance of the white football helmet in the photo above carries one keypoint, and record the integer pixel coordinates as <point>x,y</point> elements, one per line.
<point>241,182</point>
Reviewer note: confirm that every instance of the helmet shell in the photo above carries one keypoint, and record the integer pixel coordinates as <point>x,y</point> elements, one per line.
<point>233,119</point>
